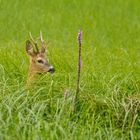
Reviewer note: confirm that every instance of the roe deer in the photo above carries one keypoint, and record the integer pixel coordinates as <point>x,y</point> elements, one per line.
<point>38,62</point>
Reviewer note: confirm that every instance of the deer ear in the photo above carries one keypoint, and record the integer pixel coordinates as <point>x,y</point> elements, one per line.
<point>43,50</point>
<point>29,48</point>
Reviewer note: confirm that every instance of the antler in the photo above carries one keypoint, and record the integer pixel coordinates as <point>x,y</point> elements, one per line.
<point>35,42</point>
<point>44,47</point>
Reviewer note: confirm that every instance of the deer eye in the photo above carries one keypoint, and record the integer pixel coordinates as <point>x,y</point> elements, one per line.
<point>40,61</point>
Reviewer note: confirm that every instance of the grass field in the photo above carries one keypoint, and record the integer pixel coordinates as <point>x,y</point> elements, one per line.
<point>109,101</point>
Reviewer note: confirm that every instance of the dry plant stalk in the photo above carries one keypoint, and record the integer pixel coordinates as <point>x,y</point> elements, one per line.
<point>78,69</point>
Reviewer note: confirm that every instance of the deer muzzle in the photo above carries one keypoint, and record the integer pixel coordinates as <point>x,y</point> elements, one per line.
<point>51,69</point>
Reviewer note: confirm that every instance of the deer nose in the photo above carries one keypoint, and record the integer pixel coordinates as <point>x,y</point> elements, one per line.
<point>51,69</point>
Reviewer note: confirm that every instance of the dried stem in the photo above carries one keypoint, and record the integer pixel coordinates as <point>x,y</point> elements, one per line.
<point>78,70</point>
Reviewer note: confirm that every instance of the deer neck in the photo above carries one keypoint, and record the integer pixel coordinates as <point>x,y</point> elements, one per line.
<point>32,72</point>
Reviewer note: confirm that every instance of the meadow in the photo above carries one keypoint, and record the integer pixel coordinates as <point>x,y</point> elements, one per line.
<point>109,99</point>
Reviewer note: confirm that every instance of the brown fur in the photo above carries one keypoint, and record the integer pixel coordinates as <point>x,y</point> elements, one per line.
<point>38,62</point>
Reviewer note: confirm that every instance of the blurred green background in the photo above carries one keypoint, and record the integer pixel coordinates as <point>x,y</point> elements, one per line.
<point>110,78</point>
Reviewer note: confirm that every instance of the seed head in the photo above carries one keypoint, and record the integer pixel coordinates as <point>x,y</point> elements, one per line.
<point>79,37</point>
<point>66,93</point>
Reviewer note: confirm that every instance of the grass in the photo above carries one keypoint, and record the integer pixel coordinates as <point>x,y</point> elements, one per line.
<point>109,102</point>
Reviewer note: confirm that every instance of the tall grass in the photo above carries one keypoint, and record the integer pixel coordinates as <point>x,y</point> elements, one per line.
<point>108,106</point>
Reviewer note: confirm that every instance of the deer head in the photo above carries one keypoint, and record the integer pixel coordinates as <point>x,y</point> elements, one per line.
<point>38,62</point>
